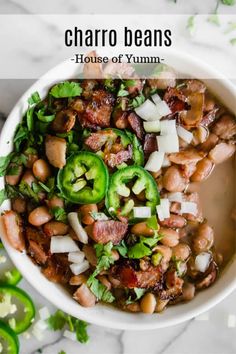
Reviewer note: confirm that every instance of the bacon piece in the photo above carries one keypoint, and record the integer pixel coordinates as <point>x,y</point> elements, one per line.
<point>13,227</point>
<point>130,278</point>
<point>120,119</point>
<point>150,144</point>
<point>64,121</point>
<point>98,110</point>
<point>88,87</point>
<point>105,231</point>
<point>175,99</point>
<point>174,287</point>
<point>113,160</point>
<point>57,269</point>
<point>136,125</point>
<point>37,235</point>
<point>96,140</point>
<point>136,87</point>
<point>37,253</point>
<point>209,117</point>
<point>225,127</point>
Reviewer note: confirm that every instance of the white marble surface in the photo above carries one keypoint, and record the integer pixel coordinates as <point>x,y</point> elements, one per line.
<point>208,334</point>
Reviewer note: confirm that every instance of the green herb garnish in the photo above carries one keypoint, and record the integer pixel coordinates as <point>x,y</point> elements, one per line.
<point>66,89</point>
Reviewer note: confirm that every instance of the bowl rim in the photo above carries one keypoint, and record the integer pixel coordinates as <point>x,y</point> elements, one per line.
<point>101,319</point>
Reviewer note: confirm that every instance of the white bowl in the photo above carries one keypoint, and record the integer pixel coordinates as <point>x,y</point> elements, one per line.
<point>106,315</point>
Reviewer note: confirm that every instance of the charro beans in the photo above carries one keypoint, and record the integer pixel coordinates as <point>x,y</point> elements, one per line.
<point>173,181</point>
<point>174,221</point>
<point>85,212</point>
<point>203,170</point>
<point>28,177</point>
<point>39,216</point>
<point>221,152</point>
<point>41,170</point>
<point>141,228</point>
<point>54,202</point>
<point>170,237</point>
<point>148,303</point>
<point>204,239</point>
<point>53,228</point>
<point>181,251</point>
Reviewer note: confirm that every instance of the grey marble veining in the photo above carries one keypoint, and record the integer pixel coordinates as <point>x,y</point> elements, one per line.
<point>207,334</point>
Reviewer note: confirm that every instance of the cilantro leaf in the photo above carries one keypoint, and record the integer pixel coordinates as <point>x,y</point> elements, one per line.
<point>27,191</point>
<point>139,292</point>
<point>139,250</point>
<point>129,83</point>
<point>43,117</point>
<point>4,162</point>
<point>81,331</point>
<point>34,98</point>
<point>122,248</point>
<point>57,321</point>
<point>59,214</point>
<point>110,85</point>
<point>62,352</point>
<point>152,223</point>
<point>122,92</point>
<point>228,2</point>
<point>3,196</point>
<point>66,89</point>
<point>100,290</point>
<point>105,257</point>
<point>21,135</point>
<point>137,101</point>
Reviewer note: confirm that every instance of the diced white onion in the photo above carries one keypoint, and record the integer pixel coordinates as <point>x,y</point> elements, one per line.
<point>163,210</point>
<point>176,197</point>
<point>231,322</point>
<point>155,161</point>
<point>148,111</point>
<point>76,257</point>
<point>44,313</point>
<point>77,227</point>
<point>152,126</point>
<point>63,244</point>
<point>160,213</point>
<point>168,127</point>
<point>184,134</point>
<point>166,162</point>
<point>188,208</point>
<point>79,268</point>
<point>70,335</point>
<point>38,334</point>
<point>156,98</point>
<point>41,325</point>
<point>163,108</point>
<point>142,212</point>
<point>168,143</point>
<point>202,261</point>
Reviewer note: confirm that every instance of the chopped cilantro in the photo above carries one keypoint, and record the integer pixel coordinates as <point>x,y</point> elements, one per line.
<point>139,292</point>
<point>34,98</point>
<point>214,19</point>
<point>122,248</point>
<point>122,92</point>
<point>228,2</point>
<point>143,247</point>
<point>3,196</point>
<point>43,117</point>
<point>137,101</point>
<point>27,191</point>
<point>104,255</point>
<point>4,162</point>
<point>100,290</point>
<point>66,89</point>
<point>59,214</point>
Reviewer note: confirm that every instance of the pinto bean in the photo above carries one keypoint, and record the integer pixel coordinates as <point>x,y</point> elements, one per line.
<point>225,127</point>
<point>203,170</point>
<point>115,282</point>
<point>37,252</point>
<point>85,211</point>
<point>134,307</point>
<point>148,303</point>
<point>173,180</point>
<point>90,254</point>
<point>186,156</point>
<point>41,170</point>
<point>165,251</point>
<point>54,228</point>
<point>181,251</point>
<point>55,151</point>
<point>19,205</point>
<point>221,152</point>
<point>28,177</point>
<point>13,180</point>
<point>209,103</point>
<point>200,135</point>
<point>161,305</point>
<point>84,296</point>
<point>170,237</point>
<point>174,221</point>
<point>210,143</point>
<point>209,278</point>
<point>54,202</point>
<point>31,158</point>
<point>204,239</point>
<point>188,291</point>
<point>115,255</point>
<point>39,216</point>
<point>103,279</point>
<point>141,228</point>
<point>78,279</point>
